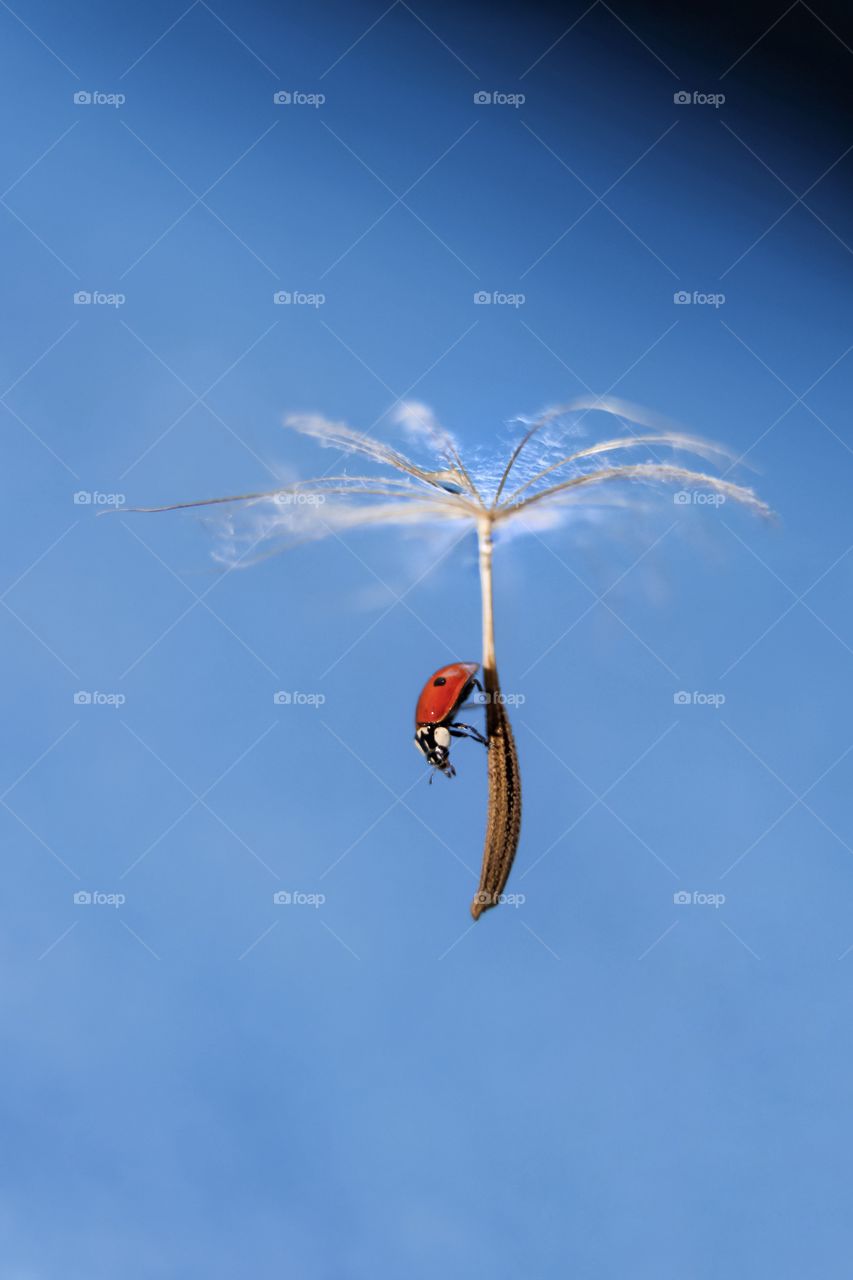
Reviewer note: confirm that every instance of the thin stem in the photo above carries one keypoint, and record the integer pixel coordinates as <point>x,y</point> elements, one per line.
<point>490,674</point>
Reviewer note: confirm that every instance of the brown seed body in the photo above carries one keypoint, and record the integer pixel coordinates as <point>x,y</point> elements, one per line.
<point>503,823</point>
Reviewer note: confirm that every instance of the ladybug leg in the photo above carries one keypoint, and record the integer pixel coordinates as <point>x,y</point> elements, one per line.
<point>468,706</point>
<point>469,732</point>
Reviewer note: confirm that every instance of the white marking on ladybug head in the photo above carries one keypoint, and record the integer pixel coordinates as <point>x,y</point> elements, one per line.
<point>442,736</point>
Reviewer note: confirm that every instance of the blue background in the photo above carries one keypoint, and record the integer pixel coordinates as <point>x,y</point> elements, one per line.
<point>599,1081</point>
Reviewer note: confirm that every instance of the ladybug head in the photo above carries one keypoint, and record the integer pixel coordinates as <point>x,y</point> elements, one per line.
<point>434,742</point>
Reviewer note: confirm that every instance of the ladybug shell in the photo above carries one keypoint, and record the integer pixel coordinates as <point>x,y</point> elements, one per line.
<point>444,691</point>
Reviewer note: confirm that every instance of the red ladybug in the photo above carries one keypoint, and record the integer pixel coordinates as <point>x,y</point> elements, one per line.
<point>441,697</point>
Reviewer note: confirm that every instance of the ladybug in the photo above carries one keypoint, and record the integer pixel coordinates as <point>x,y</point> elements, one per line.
<point>441,697</point>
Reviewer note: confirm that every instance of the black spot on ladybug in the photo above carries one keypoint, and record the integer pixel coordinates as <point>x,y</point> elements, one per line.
<point>440,680</point>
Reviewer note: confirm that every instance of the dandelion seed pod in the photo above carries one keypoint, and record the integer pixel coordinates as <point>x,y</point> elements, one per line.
<point>503,822</point>
<point>405,494</point>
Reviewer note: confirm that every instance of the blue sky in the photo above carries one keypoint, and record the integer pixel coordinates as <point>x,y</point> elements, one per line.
<point>600,1080</point>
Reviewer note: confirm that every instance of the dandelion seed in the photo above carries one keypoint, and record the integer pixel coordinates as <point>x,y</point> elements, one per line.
<point>548,483</point>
